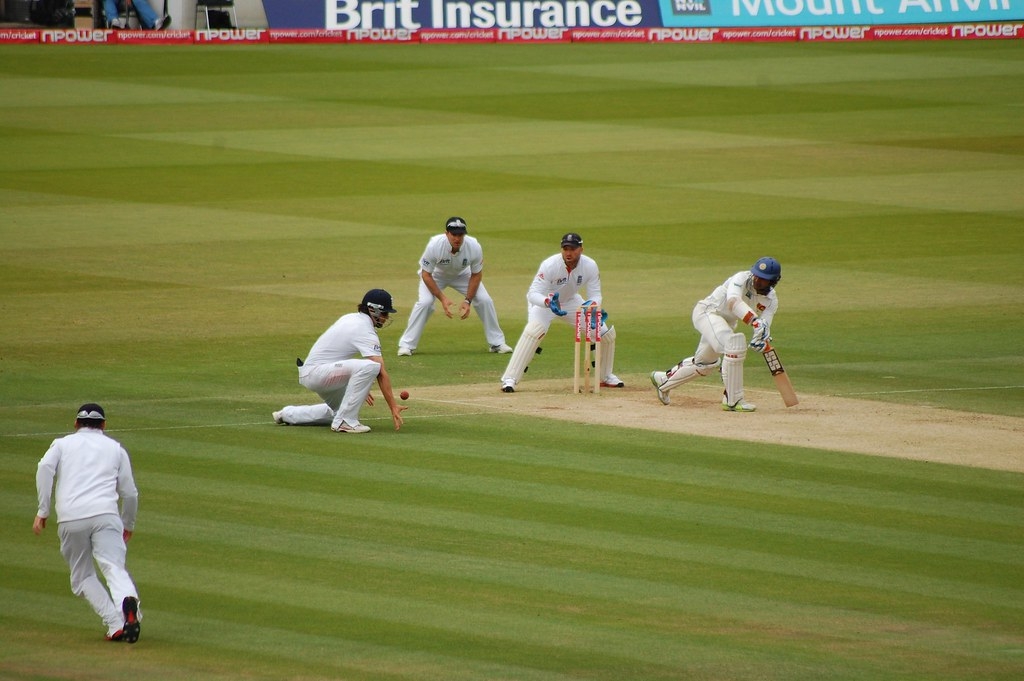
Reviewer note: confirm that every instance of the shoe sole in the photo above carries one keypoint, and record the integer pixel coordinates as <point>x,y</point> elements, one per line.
<point>132,628</point>
<point>738,410</point>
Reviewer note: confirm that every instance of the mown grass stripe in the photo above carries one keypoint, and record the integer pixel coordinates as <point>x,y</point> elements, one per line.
<point>169,633</point>
<point>717,506</point>
<point>910,488</point>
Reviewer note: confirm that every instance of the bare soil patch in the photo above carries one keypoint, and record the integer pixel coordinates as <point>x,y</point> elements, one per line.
<point>823,422</point>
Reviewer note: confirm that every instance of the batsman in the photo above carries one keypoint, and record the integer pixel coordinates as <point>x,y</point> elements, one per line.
<point>747,296</point>
<point>554,294</point>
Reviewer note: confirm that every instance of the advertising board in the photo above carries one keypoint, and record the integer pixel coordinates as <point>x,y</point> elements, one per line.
<point>415,15</point>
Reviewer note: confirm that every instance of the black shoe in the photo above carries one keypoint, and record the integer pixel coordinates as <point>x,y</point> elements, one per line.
<point>162,23</point>
<point>130,608</point>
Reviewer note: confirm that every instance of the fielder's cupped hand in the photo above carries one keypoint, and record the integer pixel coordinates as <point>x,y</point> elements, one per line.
<point>446,305</point>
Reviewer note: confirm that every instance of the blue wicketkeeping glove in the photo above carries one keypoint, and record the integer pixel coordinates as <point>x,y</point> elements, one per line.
<point>555,307</point>
<point>593,319</point>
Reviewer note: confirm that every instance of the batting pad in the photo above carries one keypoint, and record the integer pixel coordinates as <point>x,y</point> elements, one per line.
<point>524,351</point>
<point>732,367</point>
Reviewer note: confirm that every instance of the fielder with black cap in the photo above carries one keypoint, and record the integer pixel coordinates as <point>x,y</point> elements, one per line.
<point>747,296</point>
<point>341,368</point>
<point>554,293</point>
<point>452,260</point>
<point>92,473</point>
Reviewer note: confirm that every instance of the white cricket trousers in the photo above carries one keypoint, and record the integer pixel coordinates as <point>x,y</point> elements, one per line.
<point>94,541</point>
<point>714,333</point>
<point>343,387</point>
<point>424,308</point>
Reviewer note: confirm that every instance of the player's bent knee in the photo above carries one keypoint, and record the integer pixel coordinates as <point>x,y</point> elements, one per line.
<point>736,347</point>
<point>704,369</point>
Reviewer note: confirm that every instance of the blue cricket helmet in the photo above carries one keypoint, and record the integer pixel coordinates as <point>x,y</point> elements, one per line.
<point>767,268</point>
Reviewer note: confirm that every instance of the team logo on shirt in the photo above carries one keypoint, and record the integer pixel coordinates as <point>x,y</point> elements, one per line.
<point>579,279</point>
<point>760,307</point>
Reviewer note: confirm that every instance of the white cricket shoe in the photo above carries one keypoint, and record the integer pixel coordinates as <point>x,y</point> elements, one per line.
<point>657,378</point>
<point>501,349</point>
<point>345,428</point>
<point>404,352</point>
<point>739,406</point>
<point>612,381</point>
<point>278,418</point>
<point>508,386</point>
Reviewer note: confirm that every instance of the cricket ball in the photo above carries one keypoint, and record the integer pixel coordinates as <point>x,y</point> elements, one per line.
<point>404,394</point>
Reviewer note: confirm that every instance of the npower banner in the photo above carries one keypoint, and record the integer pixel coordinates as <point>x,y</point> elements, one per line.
<point>470,14</point>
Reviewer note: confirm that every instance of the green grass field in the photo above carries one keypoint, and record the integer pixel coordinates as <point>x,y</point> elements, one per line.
<point>171,238</point>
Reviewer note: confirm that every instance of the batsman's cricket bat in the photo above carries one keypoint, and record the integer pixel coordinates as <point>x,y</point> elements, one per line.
<point>782,383</point>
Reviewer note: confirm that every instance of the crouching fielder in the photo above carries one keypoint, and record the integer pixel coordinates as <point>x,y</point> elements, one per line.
<point>341,368</point>
<point>554,293</point>
<point>747,296</point>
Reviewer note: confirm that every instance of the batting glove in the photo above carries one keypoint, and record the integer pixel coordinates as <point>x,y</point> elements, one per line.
<point>760,338</point>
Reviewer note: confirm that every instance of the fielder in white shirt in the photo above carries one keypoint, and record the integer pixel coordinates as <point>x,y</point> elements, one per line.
<point>92,473</point>
<point>554,294</point>
<point>452,260</point>
<point>747,296</point>
<point>341,368</point>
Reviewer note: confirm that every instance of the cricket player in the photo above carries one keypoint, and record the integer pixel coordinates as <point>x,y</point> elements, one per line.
<point>341,368</point>
<point>747,296</point>
<point>452,260</point>
<point>92,473</point>
<point>554,293</point>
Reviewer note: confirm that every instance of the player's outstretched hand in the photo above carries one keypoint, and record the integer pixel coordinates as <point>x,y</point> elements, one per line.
<point>396,415</point>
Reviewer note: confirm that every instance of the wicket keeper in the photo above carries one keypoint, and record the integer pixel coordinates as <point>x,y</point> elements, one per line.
<point>554,293</point>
